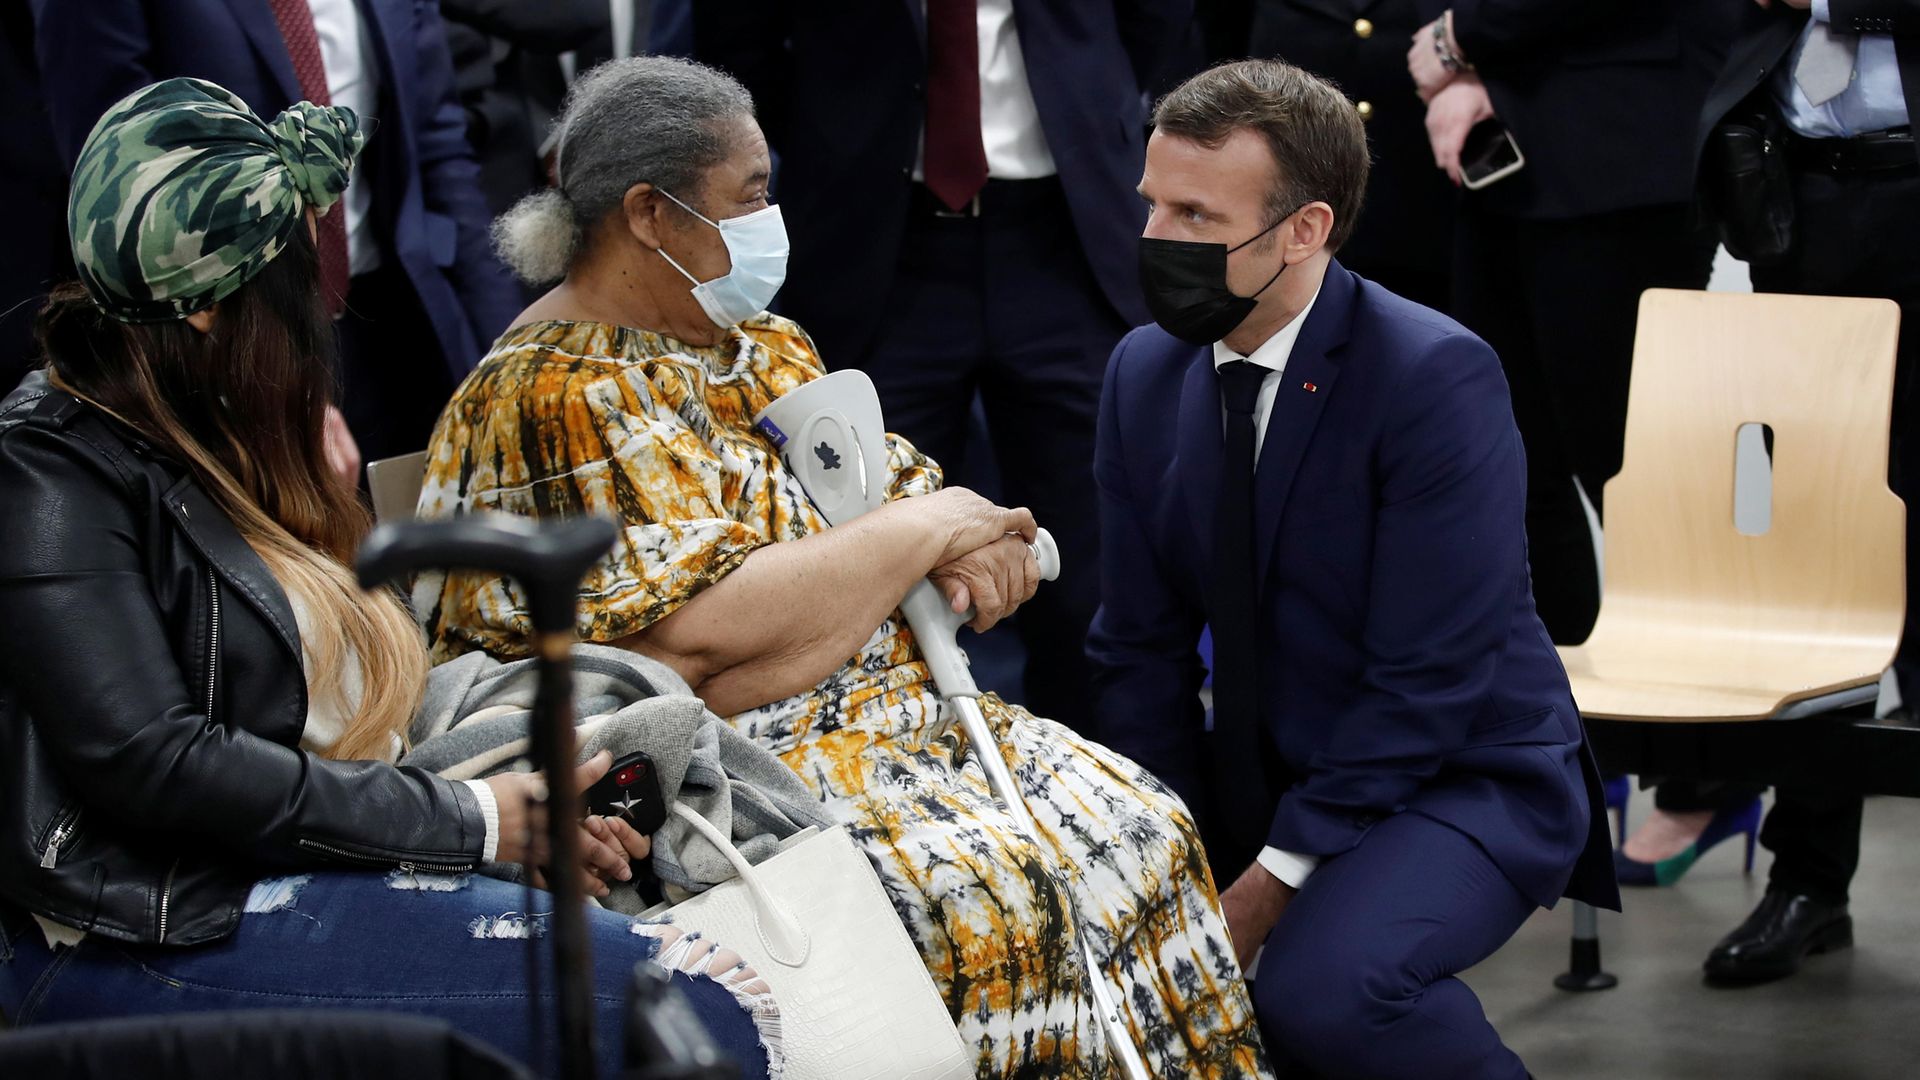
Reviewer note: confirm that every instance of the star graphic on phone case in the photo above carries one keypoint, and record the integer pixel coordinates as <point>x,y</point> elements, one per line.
<point>626,805</point>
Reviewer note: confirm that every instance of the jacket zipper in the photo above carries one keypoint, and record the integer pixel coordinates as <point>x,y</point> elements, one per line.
<point>213,668</point>
<point>62,831</point>
<point>366,859</point>
<point>166,898</point>
<point>213,637</point>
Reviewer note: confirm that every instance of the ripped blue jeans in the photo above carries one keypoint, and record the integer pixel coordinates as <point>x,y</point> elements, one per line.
<point>449,947</point>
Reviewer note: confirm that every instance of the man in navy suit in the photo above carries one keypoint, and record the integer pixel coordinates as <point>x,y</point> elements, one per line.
<point>957,178</point>
<point>1329,475</point>
<point>413,280</point>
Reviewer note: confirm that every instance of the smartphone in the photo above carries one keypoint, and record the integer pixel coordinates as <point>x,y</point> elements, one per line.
<point>630,790</point>
<point>1490,154</point>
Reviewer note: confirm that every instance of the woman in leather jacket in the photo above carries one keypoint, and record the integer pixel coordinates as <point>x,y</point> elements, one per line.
<point>199,709</point>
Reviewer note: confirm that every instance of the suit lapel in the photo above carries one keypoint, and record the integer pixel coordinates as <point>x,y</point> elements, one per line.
<point>257,20</point>
<point>1200,438</point>
<point>1304,389</point>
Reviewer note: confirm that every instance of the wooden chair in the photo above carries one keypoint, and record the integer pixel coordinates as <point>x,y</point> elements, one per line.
<point>395,484</point>
<point>1703,626</point>
<point>1701,622</point>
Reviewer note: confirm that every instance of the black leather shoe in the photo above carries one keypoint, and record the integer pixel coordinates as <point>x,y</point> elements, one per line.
<point>1785,928</point>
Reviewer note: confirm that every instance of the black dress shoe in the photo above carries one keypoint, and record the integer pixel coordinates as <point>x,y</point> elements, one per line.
<point>1770,945</point>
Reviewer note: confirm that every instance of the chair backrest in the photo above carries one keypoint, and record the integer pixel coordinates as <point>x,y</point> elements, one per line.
<point>395,484</point>
<point>1819,372</point>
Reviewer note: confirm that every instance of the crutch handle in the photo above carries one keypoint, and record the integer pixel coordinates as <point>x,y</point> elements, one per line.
<point>547,560</point>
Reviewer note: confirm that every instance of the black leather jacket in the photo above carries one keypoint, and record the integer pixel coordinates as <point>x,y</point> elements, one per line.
<point>152,700</point>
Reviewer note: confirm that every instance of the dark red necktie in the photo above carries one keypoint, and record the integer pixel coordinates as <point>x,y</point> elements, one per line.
<point>956,160</point>
<point>303,45</point>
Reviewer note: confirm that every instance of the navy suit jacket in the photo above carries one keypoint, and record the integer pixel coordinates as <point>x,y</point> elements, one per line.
<point>429,213</point>
<point>839,88</point>
<point>1404,670</point>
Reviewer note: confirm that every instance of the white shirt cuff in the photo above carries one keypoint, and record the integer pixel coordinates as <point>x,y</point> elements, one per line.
<point>1821,11</point>
<point>1293,870</point>
<point>490,811</point>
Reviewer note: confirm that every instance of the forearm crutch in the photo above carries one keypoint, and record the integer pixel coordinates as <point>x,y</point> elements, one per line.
<point>831,434</point>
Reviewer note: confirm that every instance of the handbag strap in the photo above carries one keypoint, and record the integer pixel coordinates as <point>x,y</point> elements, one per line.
<point>786,941</point>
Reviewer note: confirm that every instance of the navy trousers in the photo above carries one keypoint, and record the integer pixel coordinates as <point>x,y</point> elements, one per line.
<point>1359,977</point>
<point>1005,305</point>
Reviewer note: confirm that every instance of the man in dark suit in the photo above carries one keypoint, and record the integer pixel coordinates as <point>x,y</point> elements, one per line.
<point>413,280</point>
<point>1405,239</point>
<point>1551,262</point>
<point>1329,476</point>
<point>957,179</point>
<point>1841,80</point>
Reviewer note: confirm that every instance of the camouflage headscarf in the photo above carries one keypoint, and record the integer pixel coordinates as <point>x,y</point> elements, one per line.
<point>182,194</point>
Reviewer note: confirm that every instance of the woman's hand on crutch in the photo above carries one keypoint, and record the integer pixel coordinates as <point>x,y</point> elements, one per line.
<point>993,580</point>
<point>962,522</point>
<point>605,849</point>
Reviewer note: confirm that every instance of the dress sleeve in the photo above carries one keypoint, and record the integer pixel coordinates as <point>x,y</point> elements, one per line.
<point>910,472</point>
<point>610,447</point>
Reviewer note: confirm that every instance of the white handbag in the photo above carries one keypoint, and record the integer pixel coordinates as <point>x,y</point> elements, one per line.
<point>855,999</point>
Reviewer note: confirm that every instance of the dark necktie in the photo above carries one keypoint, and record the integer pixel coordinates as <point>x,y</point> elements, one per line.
<point>303,46</point>
<point>1233,613</point>
<point>956,159</point>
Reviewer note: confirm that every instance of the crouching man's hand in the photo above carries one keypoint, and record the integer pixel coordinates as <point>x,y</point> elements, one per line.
<point>1252,905</point>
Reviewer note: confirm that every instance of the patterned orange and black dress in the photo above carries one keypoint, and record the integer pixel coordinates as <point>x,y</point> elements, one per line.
<point>568,418</point>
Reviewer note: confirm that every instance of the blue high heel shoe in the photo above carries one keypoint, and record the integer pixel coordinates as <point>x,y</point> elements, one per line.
<point>1617,791</point>
<point>1730,821</point>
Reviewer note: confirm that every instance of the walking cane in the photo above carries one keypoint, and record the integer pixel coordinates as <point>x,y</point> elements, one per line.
<point>548,562</point>
<point>831,434</point>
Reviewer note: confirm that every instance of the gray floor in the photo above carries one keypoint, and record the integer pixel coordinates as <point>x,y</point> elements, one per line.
<point>1852,1014</point>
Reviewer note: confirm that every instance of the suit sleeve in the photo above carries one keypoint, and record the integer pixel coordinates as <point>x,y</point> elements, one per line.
<point>1449,556</point>
<point>1151,31</point>
<point>1493,30</point>
<point>1901,18</point>
<point>450,185</point>
<point>92,660</point>
<point>92,53</point>
<point>748,40</point>
<point>543,26</point>
<point>1143,643</point>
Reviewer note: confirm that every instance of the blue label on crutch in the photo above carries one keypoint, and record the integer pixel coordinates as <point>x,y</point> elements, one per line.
<point>772,431</point>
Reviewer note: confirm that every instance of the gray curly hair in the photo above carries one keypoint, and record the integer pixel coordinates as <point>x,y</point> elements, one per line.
<point>648,119</point>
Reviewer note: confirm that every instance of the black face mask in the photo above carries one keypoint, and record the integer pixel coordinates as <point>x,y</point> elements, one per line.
<point>1186,287</point>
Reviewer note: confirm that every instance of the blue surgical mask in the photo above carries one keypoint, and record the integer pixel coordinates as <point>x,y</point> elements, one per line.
<point>757,248</point>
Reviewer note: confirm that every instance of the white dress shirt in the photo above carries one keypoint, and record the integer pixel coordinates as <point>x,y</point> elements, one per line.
<point>1291,868</point>
<point>1873,101</point>
<point>353,80</point>
<point>1009,120</point>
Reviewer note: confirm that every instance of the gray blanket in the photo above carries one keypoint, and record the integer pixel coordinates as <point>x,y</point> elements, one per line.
<point>473,724</point>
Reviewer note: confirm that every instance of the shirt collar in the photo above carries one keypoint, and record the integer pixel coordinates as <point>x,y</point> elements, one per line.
<point>1273,352</point>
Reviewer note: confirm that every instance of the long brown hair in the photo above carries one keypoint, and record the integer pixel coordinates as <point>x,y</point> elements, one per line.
<point>243,406</point>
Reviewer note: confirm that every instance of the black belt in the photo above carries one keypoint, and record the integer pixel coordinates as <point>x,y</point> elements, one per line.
<point>1882,151</point>
<point>996,198</point>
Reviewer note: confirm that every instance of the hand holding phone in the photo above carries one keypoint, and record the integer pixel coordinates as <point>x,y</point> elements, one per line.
<point>1489,154</point>
<point>630,791</point>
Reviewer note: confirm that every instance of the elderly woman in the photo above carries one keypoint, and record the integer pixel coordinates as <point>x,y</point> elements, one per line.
<point>629,390</point>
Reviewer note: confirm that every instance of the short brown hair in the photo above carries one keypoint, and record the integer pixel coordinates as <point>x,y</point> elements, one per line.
<point>1319,146</point>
